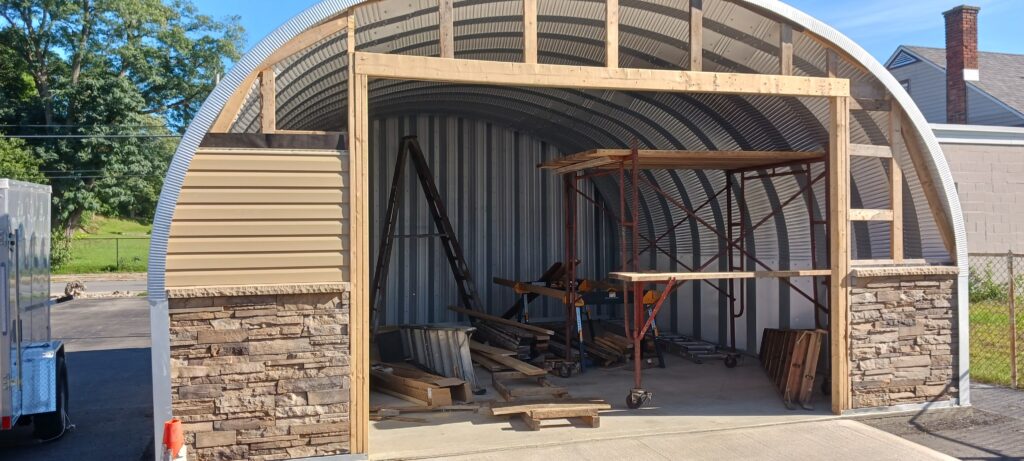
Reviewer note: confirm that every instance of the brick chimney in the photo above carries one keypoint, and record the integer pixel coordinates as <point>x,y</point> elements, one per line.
<point>961,59</point>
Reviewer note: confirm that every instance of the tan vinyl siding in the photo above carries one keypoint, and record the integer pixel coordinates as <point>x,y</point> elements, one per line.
<point>261,216</point>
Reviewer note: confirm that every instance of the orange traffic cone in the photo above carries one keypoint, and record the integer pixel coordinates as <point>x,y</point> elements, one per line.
<point>174,442</point>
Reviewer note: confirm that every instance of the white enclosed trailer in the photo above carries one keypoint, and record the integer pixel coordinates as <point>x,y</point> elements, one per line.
<point>32,364</point>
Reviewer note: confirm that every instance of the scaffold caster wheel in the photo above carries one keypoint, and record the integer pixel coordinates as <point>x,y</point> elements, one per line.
<point>730,361</point>
<point>637,398</point>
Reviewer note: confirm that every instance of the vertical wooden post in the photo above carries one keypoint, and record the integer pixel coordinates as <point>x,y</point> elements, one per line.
<point>839,225</point>
<point>530,31</point>
<point>697,35</point>
<point>785,49</point>
<point>895,186</point>
<point>832,63</point>
<point>359,265</point>
<point>446,21</point>
<point>612,34</point>
<point>268,100</point>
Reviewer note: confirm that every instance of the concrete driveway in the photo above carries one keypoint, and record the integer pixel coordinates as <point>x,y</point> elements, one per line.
<point>107,342</point>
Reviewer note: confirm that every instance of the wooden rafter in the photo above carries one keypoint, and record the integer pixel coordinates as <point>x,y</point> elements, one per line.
<point>931,190</point>
<point>696,35</point>
<point>304,40</point>
<point>677,159</point>
<point>420,68</point>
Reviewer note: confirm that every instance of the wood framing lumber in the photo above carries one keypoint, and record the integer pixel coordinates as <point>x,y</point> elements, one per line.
<point>839,249</point>
<point>410,389</point>
<point>530,31</point>
<point>785,49</point>
<point>696,35</point>
<point>870,215</point>
<point>423,68</point>
<point>486,362</point>
<point>868,150</point>
<point>611,27</point>
<point>302,41</point>
<point>579,404</point>
<point>896,188</point>
<point>490,350</point>
<point>681,276</point>
<point>268,101</point>
<point>555,293</point>
<point>515,364</point>
<point>446,22</point>
<point>359,234</point>
<point>499,320</point>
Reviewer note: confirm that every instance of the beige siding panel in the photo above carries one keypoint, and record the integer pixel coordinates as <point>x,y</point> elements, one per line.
<point>260,196</point>
<point>220,245</point>
<point>266,212</point>
<point>256,277</point>
<point>257,228</point>
<point>265,179</point>
<point>257,260</point>
<point>219,162</point>
<point>278,152</point>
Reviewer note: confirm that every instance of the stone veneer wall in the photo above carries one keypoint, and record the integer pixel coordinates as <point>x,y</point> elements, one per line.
<point>903,339</point>
<point>261,376</point>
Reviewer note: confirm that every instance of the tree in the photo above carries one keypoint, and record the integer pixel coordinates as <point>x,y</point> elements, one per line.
<point>121,76</point>
<point>17,162</point>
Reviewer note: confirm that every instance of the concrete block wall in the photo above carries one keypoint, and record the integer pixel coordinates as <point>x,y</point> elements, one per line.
<point>903,340</point>
<point>990,183</point>
<point>261,374</point>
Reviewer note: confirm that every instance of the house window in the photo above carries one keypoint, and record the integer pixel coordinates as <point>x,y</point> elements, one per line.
<point>906,85</point>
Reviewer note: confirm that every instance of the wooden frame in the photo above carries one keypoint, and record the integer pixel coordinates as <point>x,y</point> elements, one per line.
<point>696,35</point>
<point>678,159</point>
<point>839,242</point>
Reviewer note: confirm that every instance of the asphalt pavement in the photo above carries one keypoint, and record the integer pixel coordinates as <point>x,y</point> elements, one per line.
<point>107,343</point>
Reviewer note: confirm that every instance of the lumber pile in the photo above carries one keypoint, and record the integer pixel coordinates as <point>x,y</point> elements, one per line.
<point>527,341</point>
<point>605,349</point>
<point>411,384</point>
<point>533,413</point>
<point>790,357</point>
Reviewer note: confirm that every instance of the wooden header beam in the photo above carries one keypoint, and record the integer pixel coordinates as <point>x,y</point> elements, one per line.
<point>420,68</point>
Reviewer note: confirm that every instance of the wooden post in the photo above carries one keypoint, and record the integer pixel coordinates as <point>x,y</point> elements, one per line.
<point>1013,321</point>
<point>359,265</point>
<point>697,35</point>
<point>530,31</point>
<point>895,187</point>
<point>268,100</point>
<point>446,21</point>
<point>785,49</point>
<point>612,37</point>
<point>839,225</point>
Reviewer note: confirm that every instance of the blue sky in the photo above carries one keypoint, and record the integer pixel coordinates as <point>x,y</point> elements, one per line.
<point>877,25</point>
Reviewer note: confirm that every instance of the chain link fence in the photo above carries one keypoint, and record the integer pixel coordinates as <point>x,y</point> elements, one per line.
<point>997,323</point>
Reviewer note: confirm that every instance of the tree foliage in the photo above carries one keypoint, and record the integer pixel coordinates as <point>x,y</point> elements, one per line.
<point>17,162</point>
<point>110,81</point>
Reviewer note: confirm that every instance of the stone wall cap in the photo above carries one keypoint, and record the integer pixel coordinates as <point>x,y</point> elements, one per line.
<point>894,271</point>
<point>257,290</point>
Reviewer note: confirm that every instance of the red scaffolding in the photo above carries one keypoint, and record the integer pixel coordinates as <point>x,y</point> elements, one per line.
<point>739,167</point>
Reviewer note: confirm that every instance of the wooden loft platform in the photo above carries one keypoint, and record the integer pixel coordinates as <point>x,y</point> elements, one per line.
<point>678,159</point>
<point>681,276</point>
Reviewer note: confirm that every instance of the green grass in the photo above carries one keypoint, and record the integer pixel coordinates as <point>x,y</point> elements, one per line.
<point>108,245</point>
<point>990,342</point>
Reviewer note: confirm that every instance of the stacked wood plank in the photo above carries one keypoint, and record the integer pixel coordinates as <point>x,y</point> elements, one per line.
<point>606,349</point>
<point>409,383</point>
<point>790,357</point>
<point>533,413</point>
<point>525,340</point>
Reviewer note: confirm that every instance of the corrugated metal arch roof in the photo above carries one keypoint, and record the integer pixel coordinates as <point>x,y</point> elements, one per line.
<point>739,37</point>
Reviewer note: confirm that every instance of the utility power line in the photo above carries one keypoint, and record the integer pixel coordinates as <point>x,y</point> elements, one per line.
<point>88,136</point>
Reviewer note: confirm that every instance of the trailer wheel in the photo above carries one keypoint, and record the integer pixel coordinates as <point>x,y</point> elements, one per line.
<point>49,426</point>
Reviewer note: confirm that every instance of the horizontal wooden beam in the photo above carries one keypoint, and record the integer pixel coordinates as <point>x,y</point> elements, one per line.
<point>681,276</point>
<point>869,150</point>
<point>421,68</point>
<point>870,215</point>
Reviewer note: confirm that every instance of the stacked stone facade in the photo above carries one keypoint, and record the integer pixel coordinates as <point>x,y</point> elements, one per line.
<point>903,339</point>
<point>259,375</point>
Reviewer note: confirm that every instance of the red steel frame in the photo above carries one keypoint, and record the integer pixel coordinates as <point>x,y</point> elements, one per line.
<point>636,325</point>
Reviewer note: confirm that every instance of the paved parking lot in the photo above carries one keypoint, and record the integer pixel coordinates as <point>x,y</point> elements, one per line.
<point>107,342</point>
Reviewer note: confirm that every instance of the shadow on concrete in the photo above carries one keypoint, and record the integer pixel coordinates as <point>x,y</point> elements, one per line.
<point>110,406</point>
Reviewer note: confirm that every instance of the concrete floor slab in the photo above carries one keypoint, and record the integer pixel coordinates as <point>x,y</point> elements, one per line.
<point>688,398</point>
<point>834,440</point>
